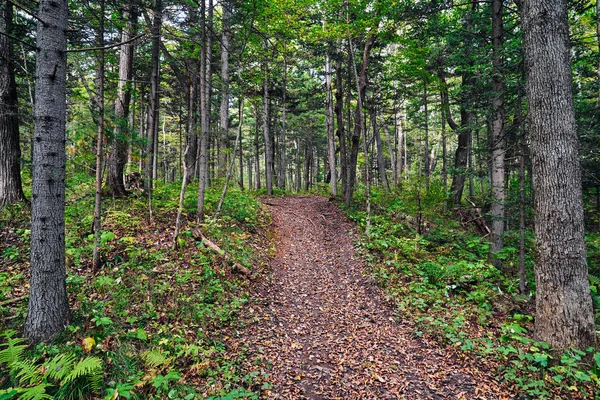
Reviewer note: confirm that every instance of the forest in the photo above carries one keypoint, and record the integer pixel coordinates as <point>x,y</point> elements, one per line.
<point>299,199</point>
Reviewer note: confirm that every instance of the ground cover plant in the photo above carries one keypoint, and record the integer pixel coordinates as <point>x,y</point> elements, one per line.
<point>150,322</point>
<point>444,278</point>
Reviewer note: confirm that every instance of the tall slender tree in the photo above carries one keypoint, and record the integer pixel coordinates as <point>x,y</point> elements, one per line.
<point>48,311</point>
<point>119,141</point>
<point>11,190</point>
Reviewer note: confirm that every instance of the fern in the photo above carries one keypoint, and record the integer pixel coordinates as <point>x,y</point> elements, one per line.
<point>155,358</point>
<point>59,366</point>
<point>61,375</point>
<point>13,348</point>
<point>89,367</point>
<point>27,372</point>
<point>35,393</point>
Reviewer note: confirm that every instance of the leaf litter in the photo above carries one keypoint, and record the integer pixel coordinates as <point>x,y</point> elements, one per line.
<point>319,328</point>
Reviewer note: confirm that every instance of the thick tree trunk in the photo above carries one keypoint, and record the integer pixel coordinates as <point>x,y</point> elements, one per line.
<point>11,190</point>
<point>358,117</point>
<point>48,311</point>
<point>564,312</point>
<point>330,128</point>
<point>498,142</point>
<point>427,160</point>
<point>118,143</point>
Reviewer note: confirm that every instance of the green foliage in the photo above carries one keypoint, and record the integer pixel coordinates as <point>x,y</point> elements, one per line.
<point>443,278</point>
<point>61,376</point>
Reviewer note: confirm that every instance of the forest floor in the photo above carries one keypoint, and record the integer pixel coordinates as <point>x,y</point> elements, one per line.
<point>321,328</point>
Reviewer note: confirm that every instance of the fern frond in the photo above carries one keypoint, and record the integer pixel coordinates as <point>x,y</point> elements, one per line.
<point>35,393</point>
<point>89,367</point>
<point>13,348</point>
<point>27,372</point>
<point>155,358</point>
<point>59,366</point>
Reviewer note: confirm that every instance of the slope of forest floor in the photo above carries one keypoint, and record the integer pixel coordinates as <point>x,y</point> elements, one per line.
<point>322,310</point>
<point>323,329</point>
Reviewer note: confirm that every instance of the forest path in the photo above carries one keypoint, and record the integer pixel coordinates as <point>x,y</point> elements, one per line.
<point>324,331</point>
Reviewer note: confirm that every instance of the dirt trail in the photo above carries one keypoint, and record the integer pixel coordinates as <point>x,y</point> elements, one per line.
<point>325,331</point>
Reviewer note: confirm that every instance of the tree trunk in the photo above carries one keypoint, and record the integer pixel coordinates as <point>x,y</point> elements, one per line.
<point>256,149</point>
<point>330,128</point>
<point>48,311</point>
<point>153,106</point>
<point>224,112</point>
<point>205,73</point>
<point>339,113</point>
<point>498,141</point>
<point>96,255</point>
<point>400,146</point>
<point>283,139</point>
<point>564,312</point>
<point>118,143</point>
<point>266,128</point>
<point>379,147</point>
<point>11,189</point>
<point>390,147</point>
<point>358,117</point>
<point>427,163</point>
<point>298,165</point>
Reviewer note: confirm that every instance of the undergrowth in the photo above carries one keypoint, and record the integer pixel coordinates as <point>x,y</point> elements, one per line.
<point>152,318</point>
<point>443,279</point>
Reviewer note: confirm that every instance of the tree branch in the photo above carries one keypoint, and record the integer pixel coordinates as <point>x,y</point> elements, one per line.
<point>106,47</point>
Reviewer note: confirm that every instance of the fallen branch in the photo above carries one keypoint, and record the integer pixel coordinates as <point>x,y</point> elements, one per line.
<point>13,300</point>
<point>197,233</point>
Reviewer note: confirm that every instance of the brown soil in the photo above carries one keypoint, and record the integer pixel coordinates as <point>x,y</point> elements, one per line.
<point>323,330</point>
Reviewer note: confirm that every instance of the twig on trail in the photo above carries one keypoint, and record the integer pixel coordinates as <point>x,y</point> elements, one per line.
<point>271,204</point>
<point>299,216</point>
<point>12,301</point>
<point>324,219</point>
<point>197,233</point>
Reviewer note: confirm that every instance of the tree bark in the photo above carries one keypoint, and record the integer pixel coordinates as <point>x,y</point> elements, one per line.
<point>118,143</point>
<point>224,112</point>
<point>48,311</point>
<point>11,189</point>
<point>330,128</point>
<point>358,117</point>
<point>564,312</point>
<point>256,149</point>
<point>283,139</point>
<point>379,147</point>
<point>266,128</point>
<point>339,113</point>
<point>498,142</point>
<point>153,104</point>
<point>400,146</point>
<point>205,73</point>
<point>96,255</point>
